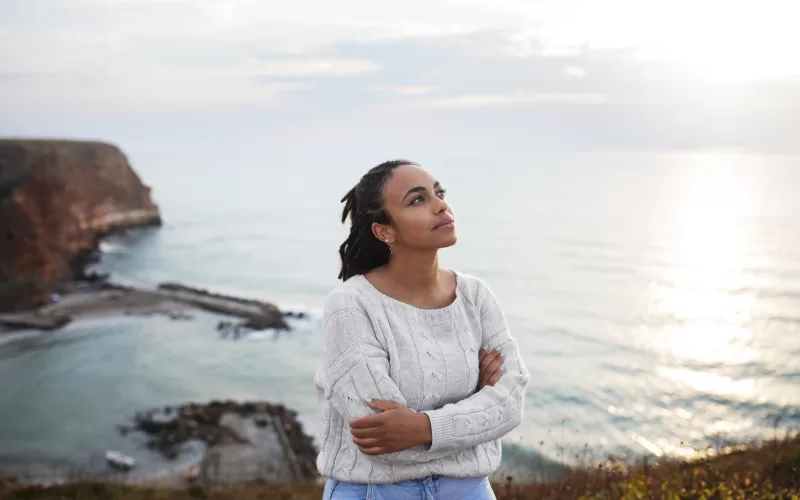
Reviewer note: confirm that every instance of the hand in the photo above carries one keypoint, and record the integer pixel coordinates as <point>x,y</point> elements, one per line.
<point>489,363</point>
<point>396,428</point>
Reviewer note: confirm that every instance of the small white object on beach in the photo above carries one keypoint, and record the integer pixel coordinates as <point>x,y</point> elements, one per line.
<point>120,461</point>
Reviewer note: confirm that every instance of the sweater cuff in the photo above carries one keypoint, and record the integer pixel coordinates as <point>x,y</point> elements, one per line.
<point>442,430</point>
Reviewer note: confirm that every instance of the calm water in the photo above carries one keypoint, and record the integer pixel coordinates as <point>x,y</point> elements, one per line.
<point>656,300</point>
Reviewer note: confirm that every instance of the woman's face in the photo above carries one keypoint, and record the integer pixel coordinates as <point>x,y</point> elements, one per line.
<point>421,218</point>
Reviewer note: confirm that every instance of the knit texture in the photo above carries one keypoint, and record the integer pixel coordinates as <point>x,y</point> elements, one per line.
<point>425,359</point>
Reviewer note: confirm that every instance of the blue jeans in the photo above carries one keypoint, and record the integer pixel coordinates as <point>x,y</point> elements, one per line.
<point>429,488</point>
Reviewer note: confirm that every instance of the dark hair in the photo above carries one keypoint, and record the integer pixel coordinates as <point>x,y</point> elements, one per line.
<point>362,252</point>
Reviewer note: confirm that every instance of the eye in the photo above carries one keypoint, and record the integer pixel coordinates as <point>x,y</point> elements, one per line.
<point>440,193</point>
<point>416,199</point>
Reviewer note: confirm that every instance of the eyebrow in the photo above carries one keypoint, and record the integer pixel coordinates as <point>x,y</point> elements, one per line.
<point>418,189</point>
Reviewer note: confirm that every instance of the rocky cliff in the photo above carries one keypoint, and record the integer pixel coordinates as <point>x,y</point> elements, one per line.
<point>56,199</point>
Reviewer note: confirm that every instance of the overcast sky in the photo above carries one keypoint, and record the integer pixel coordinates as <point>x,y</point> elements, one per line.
<point>468,75</point>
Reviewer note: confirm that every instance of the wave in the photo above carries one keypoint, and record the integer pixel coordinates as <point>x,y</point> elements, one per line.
<point>299,320</point>
<point>107,246</point>
<point>20,335</point>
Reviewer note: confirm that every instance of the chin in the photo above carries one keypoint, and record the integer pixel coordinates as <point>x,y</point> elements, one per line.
<point>448,242</point>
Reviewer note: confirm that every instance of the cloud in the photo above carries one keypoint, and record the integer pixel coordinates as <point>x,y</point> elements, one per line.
<point>410,90</point>
<point>574,71</point>
<point>315,67</point>
<point>511,99</point>
<point>117,89</point>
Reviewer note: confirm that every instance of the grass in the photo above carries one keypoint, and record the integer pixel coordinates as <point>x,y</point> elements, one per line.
<point>767,470</point>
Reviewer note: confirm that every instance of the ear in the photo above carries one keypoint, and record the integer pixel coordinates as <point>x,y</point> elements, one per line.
<point>383,232</point>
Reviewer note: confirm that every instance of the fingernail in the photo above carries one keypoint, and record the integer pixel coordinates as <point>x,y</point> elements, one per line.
<point>368,400</point>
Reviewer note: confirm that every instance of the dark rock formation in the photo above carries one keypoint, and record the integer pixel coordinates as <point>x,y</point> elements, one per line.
<point>56,199</point>
<point>167,429</point>
<point>258,315</point>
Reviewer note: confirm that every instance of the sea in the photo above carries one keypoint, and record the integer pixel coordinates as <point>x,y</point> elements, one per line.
<point>655,297</point>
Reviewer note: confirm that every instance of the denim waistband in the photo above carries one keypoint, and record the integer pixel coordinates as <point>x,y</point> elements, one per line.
<point>429,488</point>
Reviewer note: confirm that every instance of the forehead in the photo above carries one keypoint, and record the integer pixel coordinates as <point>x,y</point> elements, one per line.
<point>407,177</point>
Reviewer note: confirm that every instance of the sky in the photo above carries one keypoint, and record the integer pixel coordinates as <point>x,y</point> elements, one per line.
<point>462,76</point>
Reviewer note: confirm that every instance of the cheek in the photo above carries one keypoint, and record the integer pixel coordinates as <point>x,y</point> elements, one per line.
<point>413,226</point>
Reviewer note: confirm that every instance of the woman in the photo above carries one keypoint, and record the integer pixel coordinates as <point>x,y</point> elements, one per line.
<point>421,377</point>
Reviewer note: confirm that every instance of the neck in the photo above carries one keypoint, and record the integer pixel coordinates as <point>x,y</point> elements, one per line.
<point>415,270</point>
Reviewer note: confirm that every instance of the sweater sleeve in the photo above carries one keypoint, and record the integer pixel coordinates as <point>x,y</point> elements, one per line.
<point>357,368</point>
<point>493,411</point>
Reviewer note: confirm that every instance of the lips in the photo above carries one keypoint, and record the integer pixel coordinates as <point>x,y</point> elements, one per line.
<point>449,222</point>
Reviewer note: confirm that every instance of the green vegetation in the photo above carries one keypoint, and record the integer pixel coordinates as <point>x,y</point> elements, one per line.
<point>769,470</point>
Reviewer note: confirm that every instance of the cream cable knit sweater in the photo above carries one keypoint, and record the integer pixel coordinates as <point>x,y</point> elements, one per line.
<point>426,359</point>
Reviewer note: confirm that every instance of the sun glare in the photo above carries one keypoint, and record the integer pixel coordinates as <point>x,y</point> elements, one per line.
<point>715,40</point>
<point>731,40</point>
<point>723,41</point>
<point>705,290</point>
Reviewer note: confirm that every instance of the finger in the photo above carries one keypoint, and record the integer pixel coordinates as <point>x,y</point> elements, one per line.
<point>372,432</point>
<point>492,376</point>
<point>494,372</point>
<point>381,404</point>
<point>366,422</point>
<point>485,377</point>
<point>494,366</point>
<point>487,355</point>
<point>487,360</point>
<point>484,366</point>
<point>483,374</point>
<point>375,450</point>
<point>481,355</point>
<point>367,443</point>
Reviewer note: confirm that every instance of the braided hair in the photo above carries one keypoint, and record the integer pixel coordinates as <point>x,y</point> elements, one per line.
<point>362,252</point>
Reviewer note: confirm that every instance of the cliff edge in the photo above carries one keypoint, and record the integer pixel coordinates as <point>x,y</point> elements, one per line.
<point>56,199</point>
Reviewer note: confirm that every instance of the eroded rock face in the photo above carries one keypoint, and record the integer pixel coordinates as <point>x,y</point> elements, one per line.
<point>56,199</point>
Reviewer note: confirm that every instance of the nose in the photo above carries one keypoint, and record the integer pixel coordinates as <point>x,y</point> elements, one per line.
<point>441,206</point>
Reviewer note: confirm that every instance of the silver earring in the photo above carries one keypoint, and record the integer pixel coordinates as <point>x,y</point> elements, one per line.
<point>391,247</point>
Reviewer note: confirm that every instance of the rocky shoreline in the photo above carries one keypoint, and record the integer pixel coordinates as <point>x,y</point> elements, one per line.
<point>100,298</point>
<point>246,441</point>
